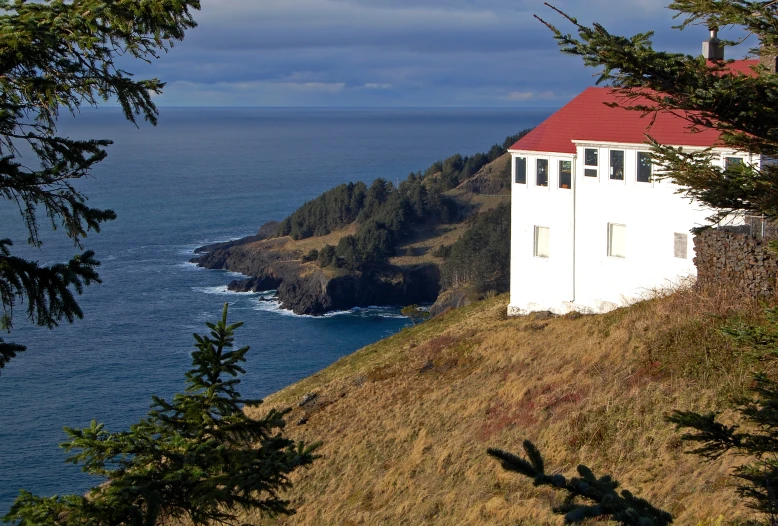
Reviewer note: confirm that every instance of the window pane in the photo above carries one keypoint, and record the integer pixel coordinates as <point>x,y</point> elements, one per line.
<point>731,162</point>
<point>542,172</point>
<point>521,170</point>
<point>681,242</point>
<point>617,164</point>
<point>590,156</point>
<point>644,167</point>
<point>590,172</point>
<point>617,240</point>
<point>542,241</point>
<point>565,174</point>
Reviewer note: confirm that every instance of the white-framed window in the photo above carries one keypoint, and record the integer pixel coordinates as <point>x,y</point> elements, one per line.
<point>645,167</point>
<point>680,245</point>
<point>542,172</point>
<point>617,165</point>
<point>542,242</point>
<point>521,170</point>
<point>731,162</point>
<point>617,240</point>
<point>566,174</point>
<point>590,162</point>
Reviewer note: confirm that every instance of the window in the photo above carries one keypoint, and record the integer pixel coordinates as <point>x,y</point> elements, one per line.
<point>617,165</point>
<point>542,241</point>
<point>680,244</point>
<point>617,240</point>
<point>590,162</point>
<point>542,172</point>
<point>565,174</point>
<point>731,162</point>
<point>521,170</point>
<point>644,167</point>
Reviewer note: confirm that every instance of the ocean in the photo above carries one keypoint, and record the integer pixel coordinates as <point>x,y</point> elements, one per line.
<point>202,175</point>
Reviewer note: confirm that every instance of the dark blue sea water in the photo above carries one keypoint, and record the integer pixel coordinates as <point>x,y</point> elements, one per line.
<point>202,175</point>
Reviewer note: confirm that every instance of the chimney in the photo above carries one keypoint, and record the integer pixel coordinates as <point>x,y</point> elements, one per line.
<point>713,49</point>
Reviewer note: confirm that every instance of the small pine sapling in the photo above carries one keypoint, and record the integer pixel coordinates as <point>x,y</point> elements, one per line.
<point>199,457</point>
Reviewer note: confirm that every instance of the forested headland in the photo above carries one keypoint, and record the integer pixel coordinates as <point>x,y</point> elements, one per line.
<point>448,224</point>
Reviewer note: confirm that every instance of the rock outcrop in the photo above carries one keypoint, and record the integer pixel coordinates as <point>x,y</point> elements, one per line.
<point>305,288</point>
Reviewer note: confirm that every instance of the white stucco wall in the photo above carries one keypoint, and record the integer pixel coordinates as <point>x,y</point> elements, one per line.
<point>579,274</point>
<point>540,281</point>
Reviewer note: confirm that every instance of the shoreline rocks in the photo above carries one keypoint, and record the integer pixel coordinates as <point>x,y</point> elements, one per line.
<point>305,288</point>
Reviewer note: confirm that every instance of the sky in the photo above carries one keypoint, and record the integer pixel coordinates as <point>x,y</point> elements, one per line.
<point>394,53</point>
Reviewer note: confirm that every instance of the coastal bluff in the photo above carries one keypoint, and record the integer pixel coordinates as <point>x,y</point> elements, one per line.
<point>433,238</point>
<point>305,288</point>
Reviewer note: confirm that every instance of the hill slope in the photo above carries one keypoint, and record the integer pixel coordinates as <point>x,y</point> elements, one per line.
<point>405,422</point>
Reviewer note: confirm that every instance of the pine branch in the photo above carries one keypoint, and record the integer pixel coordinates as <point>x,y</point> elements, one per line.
<point>758,412</point>
<point>45,290</point>
<point>705,94</point>
<point>599,496</point>
<point>9,350</point>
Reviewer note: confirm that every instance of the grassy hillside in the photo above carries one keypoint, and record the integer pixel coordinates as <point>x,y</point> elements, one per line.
<point>405,422</point>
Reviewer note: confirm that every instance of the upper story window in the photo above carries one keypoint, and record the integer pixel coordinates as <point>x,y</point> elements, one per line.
<point>617,240</point>
<point>617,165</point>
<point>590,162</point>
<point>542,179</point>
<point>644,167</point>
<point>565,174</point>
<point>731,162</point>
<point>521,170</point>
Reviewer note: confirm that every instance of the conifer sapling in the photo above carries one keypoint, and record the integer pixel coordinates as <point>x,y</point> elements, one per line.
<point>198,457</point>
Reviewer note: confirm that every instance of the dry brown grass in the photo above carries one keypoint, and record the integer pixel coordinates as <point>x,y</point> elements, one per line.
<point>419,249</point>
<point>306,245</point>
<point>405,422</point>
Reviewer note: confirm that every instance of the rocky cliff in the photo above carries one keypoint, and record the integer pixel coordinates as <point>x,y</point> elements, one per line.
<point>305,288</point>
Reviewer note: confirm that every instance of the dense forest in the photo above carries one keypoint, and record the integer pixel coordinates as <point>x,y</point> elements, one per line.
<point>480,258</point>
<point>385,213</point>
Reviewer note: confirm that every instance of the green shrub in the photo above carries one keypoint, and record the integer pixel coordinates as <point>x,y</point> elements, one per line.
<point>312,255</point>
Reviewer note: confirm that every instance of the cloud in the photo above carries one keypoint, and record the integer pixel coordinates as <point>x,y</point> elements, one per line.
<point>393,52</point>
<point>531,95</point>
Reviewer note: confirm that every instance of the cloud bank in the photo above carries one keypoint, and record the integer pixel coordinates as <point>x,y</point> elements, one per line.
<point>392,52</point>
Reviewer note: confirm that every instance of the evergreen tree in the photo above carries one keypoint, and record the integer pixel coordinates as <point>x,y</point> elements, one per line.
<point>59,56</point>
<point>741,107</point>
<point>481,257</point>
<point>198,457</point>
<point>599,495</point>
<point>759,478</point>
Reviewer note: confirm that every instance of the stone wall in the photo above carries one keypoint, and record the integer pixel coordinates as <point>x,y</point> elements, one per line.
<point>734,259</point>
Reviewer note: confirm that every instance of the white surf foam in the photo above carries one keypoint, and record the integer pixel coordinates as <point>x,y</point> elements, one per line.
<point>188,265</point>
<point>221,290</point>
<point>270,303</point>
<point>231,274</point>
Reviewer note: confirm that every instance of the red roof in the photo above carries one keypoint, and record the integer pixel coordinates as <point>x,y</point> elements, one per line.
<point>587,118</point>
<point>742,66</point>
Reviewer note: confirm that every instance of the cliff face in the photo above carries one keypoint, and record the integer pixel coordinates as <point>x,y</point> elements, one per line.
<point>305,288</point>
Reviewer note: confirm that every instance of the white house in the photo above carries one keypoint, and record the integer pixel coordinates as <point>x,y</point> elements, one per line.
<point>591,229</point>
